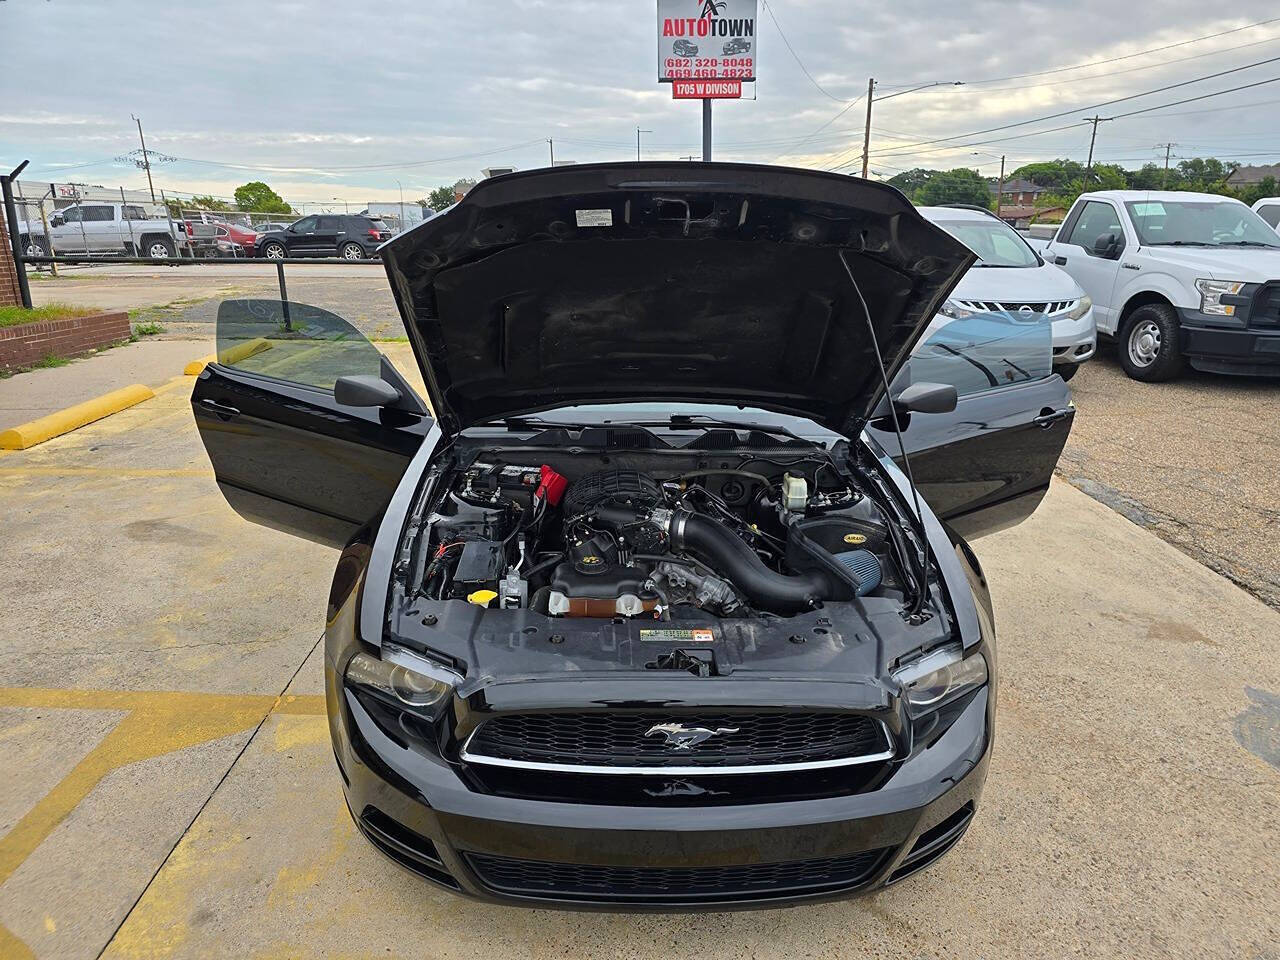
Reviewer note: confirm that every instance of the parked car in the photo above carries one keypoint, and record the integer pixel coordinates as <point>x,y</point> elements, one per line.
<point>270,227</point>
<point>643,618</point>
<point>684,48</point>
<point>348,236</point>
<point>1268,208</point>
<point>1176,278</point>
<point>1011,277</point>
<point>241,236</point>
<point>103,228</point>
<point>736,46</point>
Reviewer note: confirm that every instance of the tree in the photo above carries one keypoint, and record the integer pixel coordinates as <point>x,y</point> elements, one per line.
<point>257,197</point>
<point>955,186</point>
<point>197,203</point>
<point>1053,174</point>
<point>439,198</point>
<point>909,181</point>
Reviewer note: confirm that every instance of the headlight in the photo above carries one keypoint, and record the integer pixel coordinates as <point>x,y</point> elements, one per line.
<point>1083,306</point>
<point>940,677</point>
<point>955,310</point>
<point>402,679</point>
<point>1212,292</point>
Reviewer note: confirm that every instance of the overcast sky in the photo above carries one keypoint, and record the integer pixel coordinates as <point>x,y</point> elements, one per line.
<point>342,100</point>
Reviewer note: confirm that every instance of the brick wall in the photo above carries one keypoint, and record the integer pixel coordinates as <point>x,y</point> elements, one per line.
<point>28,343</point>
<point>9,296</point>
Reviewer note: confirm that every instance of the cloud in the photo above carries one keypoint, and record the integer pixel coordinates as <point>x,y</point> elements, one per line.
<point>312,97</point>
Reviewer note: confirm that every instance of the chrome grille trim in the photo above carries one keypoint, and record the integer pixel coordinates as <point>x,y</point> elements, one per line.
<point>675,771</point>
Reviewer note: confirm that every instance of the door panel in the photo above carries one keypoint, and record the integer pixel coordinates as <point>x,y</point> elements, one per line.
<point>1075,254</point>
<point>285,453</point>
<point>300,238</point>
<point>326,236</point>
<point>987,465</point>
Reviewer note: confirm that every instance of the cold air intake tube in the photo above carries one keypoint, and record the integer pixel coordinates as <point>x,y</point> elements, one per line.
<point>724,551</point>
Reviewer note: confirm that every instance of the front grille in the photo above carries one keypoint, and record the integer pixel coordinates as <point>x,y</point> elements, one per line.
<point>1266,306</point>
<point>629,741</point>
<point>573,881</point>
<point>1047,307</point>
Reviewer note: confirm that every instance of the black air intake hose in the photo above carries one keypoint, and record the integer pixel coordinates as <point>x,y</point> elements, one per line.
<point>722,550</point>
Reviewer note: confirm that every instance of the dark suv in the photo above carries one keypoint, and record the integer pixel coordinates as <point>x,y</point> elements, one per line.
<point>325,235</point>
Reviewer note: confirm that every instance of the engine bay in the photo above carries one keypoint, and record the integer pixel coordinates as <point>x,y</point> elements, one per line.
<point>579,534</point>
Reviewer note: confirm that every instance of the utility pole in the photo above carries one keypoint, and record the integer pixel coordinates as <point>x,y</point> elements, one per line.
<point>1000,187</point>
<point>551,145</point>
<point>638,132</point>
<point>146,160</point>
<point>1088,170</point>
<point>706,130</point>
<point>866,133</point>
<point>1165,176</point>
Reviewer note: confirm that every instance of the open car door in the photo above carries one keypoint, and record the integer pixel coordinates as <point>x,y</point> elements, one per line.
<point>289,450</point>
<point>986,465</point>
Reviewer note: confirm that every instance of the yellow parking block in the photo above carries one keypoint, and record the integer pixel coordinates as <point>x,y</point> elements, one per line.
<point>72,418</point>
<point>229,356</point>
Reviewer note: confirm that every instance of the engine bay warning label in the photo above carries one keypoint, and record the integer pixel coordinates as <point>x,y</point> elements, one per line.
<point>696,635</point>
<point>594,218</point>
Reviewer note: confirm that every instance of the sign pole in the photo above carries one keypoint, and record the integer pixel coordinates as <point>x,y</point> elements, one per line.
<point>706,130</point>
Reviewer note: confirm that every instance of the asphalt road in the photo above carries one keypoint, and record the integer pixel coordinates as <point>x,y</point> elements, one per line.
<point>1196,460</point>
<point>170,790</point>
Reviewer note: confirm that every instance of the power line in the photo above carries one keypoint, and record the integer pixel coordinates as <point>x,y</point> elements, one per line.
<point>1128,56</point>
<point>796,56</point>
<point>1095,106</point>
<point>1206,96</point>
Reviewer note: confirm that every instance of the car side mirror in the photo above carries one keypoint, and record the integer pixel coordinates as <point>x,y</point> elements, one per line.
<point>927,398</point>
<point>364,390</point>
<point>56,221</point>
<point>1105,245</point>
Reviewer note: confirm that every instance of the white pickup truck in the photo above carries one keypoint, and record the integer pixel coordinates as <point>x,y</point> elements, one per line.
<point>1175,278</point>
<point>101,229</point>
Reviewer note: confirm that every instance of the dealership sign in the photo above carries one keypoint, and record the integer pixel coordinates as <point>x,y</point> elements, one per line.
<point>706,40</point>
<point>706,89</point>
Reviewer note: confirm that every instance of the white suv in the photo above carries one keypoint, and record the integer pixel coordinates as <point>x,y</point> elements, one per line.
<point>1268,208</point>
<point>1176,277</point>
<point>1010,276</point>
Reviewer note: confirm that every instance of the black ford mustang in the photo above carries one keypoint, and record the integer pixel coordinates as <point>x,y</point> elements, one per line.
<point>645,611</point>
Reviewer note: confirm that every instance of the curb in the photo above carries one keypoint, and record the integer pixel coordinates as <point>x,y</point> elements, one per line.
<point>231,355</point>
<point>64,421</point>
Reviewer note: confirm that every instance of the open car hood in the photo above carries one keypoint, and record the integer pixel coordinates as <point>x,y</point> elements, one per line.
<point>702,282</point>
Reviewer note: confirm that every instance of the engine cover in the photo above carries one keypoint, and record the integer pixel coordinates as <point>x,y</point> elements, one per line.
<point>616,487</point>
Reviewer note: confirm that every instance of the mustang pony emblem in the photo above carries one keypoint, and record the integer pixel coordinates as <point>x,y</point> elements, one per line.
<point>680,737</point>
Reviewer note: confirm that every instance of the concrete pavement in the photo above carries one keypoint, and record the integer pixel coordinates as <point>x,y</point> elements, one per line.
<point>170,789</point>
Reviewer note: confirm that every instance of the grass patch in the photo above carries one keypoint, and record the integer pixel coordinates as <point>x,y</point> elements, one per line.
<point>16,316</point>
<point>148,328</point>
<point>50,360</point>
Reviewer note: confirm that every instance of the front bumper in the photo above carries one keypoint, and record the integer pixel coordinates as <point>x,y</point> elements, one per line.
<point>1245,351</point>
<point>419,810</point>
<point>1074,341</point>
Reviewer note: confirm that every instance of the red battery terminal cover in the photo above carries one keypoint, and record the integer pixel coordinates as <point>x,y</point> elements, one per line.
<point>551,487</point>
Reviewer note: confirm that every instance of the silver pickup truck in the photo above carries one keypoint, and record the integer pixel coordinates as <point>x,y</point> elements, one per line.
<point>102,229</point>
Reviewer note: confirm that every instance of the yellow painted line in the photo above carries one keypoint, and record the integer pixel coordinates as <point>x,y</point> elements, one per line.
<point>72,418</point>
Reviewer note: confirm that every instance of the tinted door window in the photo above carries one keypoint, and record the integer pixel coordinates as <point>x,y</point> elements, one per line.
<point>305,225</point>
<point>73,214</point>
<point>135,213</point>
<point>1097,219</point>
<point>98,214</point>
<point>1271,214</point>
<point>310,346</point>
<point>328,225</point>
<point>985,352</point>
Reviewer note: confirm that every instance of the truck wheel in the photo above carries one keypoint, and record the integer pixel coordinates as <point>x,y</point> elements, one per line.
<point>273,251</point>
<point>31,246</point>
<point>158,248</point>
<point>1148,344</point>
<point>352,251</point>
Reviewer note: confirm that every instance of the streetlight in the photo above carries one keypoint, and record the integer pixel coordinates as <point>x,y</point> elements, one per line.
<point>1000,183</point>
<point>638,132</point>
<point>345,207</point>
<point>401,186</point>
<point>871,98</point>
